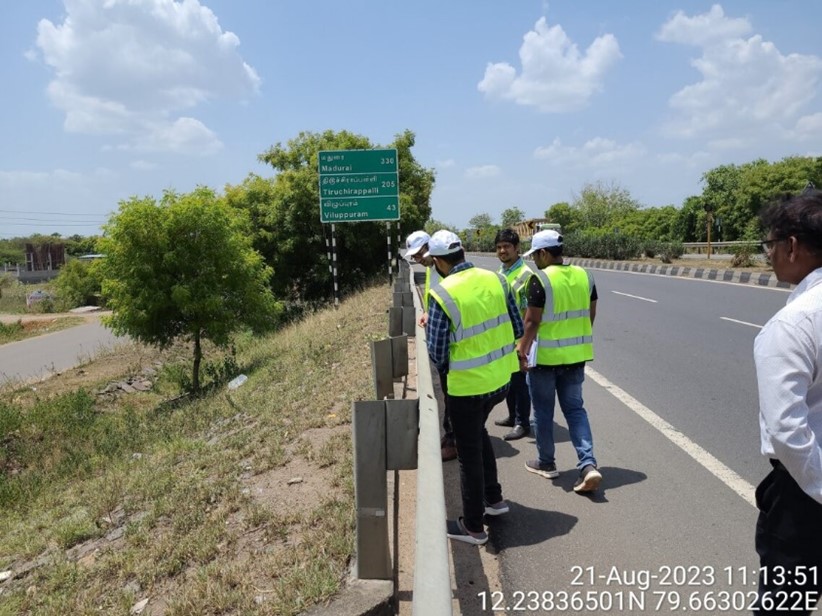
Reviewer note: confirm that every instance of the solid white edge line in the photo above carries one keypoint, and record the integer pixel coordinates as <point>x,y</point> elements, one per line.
<point>742,322</point>
<point>703,457</point>
<point>644,299</point>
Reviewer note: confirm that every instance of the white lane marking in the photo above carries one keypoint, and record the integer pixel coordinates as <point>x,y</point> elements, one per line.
<point>742,322</point>
<point>644,299</point>
<point>703,457</point>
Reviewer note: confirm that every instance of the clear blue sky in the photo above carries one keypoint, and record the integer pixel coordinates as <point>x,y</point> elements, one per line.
<point>513,103</point>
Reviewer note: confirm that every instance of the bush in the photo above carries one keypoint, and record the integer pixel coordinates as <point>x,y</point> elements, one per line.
<point>79,284</point>
<point>743,256</point>
<point>602,245</point>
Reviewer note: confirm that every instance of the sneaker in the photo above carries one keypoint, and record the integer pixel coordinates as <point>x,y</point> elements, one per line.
<point>497,508</point>
<point>456,530</point>
<point>589,479</point>
<point>517,433</point>
<point>546,470</point>
<point>507,422</point>
<point>448,452</point>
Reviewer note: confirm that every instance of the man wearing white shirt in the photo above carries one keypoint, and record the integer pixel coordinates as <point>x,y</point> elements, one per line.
<point>788,356</point>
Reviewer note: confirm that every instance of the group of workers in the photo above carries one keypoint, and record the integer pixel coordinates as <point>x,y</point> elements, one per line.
<point>524,334</point>
<point>517,335</point>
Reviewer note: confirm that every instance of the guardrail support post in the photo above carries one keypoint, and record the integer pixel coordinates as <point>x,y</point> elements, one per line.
<point>402,418</point>
<point>395,321</point>
<point>382,367</point>
<point>368,419</point>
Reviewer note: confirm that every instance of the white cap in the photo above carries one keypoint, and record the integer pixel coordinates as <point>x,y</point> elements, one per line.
<point>544,239</point>
<point>442,243</point>
<point>415,242</point>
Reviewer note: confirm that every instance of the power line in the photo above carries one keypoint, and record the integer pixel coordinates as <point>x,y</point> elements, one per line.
<point>50,221</point>
<point>51,213</point>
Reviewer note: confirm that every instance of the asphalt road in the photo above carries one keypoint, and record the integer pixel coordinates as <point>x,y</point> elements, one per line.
<point>672,400</point>
<point>37,358</point>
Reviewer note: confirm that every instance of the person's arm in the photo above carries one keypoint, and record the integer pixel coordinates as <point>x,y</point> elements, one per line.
<point>785,362</point>
<point>533,317</point>
<point>593,311</point>
<point>513,312</point>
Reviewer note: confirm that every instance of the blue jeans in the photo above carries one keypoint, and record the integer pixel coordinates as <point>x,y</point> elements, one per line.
<point>546,385</point>
<point>519,400</point>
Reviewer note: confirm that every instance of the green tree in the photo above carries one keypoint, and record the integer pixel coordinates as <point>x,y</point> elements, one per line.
<point>563,214</point>
<point>432,226</point>
<point>77,245</point>
<point>601,205</point>
<point>79,283</point>
<point>481,221</point>
<point>11,251</point>
<point>286,221</point>
<point>511,216</point>
<point>184,269</point>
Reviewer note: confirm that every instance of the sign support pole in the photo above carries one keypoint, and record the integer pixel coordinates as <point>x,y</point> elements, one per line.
<point>334,265</point>
<point>390,264</point>
<point>399,245</point>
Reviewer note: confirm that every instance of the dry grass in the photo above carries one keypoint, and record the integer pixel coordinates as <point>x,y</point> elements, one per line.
<point>234,503</point>
<point>20,330</point>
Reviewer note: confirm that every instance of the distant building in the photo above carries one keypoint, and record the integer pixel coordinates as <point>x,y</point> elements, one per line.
<point>45,257</point>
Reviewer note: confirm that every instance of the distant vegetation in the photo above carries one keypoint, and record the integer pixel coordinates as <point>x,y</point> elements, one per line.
<point>285,247</point>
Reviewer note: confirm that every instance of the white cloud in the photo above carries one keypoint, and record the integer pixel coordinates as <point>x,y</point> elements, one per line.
<point>483,171</point>
<point>749,91</point>
<point>808,127</point>
<point>130,67</point>
<point>142,165</point>
<point>555,76</point>
<point>595,153</point>
<point>445,164</point>
<point>702,30</point>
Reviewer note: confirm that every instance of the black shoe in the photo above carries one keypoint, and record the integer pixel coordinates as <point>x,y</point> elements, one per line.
<point>507,422</point>
<point>517,433</point>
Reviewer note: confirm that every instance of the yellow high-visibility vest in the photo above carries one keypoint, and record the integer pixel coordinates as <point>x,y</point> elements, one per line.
<point>565,334</point>
<point>482,354</point>
<point>518,278</point>
<point>431,275</point>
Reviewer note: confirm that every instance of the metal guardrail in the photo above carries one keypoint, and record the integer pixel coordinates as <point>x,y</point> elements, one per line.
<point>719,247</point>
<point>432,577</point>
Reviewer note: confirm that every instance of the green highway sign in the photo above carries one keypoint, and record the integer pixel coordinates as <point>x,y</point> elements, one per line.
<point>359,185</point>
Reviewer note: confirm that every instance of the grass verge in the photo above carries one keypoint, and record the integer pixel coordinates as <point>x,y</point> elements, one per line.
<point>237,502</point>
<point>19,330</point>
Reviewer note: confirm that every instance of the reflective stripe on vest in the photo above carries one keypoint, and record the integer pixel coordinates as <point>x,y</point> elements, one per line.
<point>518,279</point>
<point>461,333</point>
<point>481,355</point>
<point>565,337</point>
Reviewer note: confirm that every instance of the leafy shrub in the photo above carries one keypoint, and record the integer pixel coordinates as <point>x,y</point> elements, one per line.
<point>743,256</point>
<point>602,245</point>
<point>79,284</point>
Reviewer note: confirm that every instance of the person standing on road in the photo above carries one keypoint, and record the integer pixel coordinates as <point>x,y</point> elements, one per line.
<point>473,324</point>
<point>788,357</point>
<point>517,273</point>
<point>562,302</point>
<point>416,246</point>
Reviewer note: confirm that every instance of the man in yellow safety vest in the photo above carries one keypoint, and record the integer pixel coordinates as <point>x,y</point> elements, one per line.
<point>416,246</point>
<point>473,323</point>
<point>562,302</point>
<point>517,273</point>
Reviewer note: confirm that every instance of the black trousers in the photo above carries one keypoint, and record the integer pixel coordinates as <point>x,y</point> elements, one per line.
<point>448,433</point>
<point>789,544</point>
<point>478,465</point>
